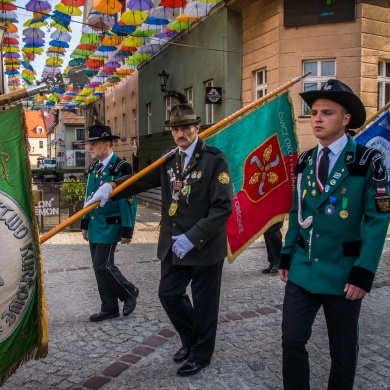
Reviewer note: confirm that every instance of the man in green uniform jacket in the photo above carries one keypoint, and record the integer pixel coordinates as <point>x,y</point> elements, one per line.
<point>337,229</point>
<point>105,227</point>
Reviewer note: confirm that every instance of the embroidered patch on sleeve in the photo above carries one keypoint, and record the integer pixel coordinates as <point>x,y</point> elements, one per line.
<point>224,178</point>
<point>382,204</point>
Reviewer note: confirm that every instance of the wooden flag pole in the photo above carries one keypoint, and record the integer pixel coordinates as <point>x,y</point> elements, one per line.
<point>162,159</point>
<point>372,117</point>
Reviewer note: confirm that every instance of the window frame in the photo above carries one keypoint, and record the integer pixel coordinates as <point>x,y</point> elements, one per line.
<point>319,80</point>
<point>209,108</point>
<point>383,83</point>
<point>260,88</point>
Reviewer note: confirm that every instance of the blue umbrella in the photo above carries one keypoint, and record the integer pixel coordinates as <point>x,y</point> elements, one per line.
<point>122,31</point>
<point>58,44</point>
<point>155,21</point>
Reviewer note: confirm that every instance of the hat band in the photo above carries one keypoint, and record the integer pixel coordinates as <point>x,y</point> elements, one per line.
<point>182,118</point>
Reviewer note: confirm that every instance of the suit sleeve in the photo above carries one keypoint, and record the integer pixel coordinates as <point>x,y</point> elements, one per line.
<point>292,234</point>
<point>221,199</point>
<point>376,217</point>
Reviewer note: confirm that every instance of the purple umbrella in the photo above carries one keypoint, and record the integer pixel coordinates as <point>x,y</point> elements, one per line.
<point>140,5</point>
<point>112,64</point>
<point>37,6</point>
<point>38,41</point>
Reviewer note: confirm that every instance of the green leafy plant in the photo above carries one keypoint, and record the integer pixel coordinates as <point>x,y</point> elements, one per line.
<point>72,193</point>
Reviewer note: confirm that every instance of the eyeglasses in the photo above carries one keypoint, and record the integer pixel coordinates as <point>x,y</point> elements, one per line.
<point>184,129</point>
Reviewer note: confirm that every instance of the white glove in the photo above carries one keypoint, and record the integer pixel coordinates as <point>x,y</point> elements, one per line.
<point>181,246</point>
<point>101,195</point>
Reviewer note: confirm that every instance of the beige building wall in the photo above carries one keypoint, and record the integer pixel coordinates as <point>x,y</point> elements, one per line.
<point>355,46</point>
<point>121,114</point>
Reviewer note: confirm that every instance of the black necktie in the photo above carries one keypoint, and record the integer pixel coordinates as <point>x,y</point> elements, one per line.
<point>323,168</point>
<point>182,161</point>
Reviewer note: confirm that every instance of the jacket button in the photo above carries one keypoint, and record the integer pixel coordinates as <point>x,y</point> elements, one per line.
<point>174,224</point>
<point>317,211</point>
<point>201,241</point>
<point>317,236</point>
<point>316,260</point>
<point>92,217</point>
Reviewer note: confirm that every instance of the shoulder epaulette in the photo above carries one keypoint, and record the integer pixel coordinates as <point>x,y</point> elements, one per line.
<point>120,166</point>
<point>368,158</point>
<point>211,149</point>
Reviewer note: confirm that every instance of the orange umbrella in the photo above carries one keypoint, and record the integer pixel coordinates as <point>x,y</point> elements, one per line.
<point>109,7</point>
<point>11,28</point>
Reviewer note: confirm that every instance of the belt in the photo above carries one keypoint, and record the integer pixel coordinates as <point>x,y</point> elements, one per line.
<point>351,248</point>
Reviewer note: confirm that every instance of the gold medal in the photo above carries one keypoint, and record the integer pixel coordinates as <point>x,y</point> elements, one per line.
<point>172,209</point>
<point>313,192</point>
<point>343,214</point>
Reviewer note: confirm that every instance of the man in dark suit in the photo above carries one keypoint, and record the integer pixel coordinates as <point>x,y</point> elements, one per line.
<point>196,203</point>
<point>337,229</point>
<point>104,227</point>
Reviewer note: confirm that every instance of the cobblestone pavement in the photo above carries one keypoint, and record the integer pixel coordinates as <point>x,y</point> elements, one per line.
<point>136,352</point>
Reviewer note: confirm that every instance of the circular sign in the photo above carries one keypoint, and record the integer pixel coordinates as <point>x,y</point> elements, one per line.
<point>18,270</point>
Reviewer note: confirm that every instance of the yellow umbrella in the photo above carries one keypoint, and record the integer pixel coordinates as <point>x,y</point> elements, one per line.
<point>68,9</point>
<point>109,7</point>
<point>133,17</point>
<point>32,24</point>
<point>33,50</point>
<point>58,26</point>
<point>132,42</point>
<point>86,91</point>
<point>10,49</point>
<point>54,61</point>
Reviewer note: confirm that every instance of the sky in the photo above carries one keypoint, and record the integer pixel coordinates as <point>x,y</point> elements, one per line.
<point>40,60</point>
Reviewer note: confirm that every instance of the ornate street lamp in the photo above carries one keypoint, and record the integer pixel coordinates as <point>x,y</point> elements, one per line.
<point>163,83</point>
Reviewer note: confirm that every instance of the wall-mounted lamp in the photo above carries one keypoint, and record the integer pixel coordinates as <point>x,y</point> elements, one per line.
<point>163,83</point>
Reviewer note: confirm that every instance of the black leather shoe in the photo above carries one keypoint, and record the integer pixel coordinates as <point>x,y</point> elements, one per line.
<point>182,354</point>
<point>267,270</point>
<point>103,315</point>
<point>130,303</point>
<point>190,368</point>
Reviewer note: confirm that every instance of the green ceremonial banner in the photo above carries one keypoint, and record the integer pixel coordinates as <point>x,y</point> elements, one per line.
<point>262,150</point>
<point>23,312</point>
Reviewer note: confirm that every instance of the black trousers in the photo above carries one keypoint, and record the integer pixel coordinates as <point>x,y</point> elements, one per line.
<point>112,285</point>
<point>273,243</point>
<point>300,308</point>
<point>195,322</point>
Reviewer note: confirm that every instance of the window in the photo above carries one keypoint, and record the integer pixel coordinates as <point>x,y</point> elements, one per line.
<point>116,125</point>
<point>261,83</point>
<point>123,132</point>
<point>321,71</point>
<point>383,83</point>
<point>190,96</point>
<point>80,158</point>
<point>168,107</point>
<point>134,124</point>
<point>40,144</point>
<point>149,118</point>
<point>209,107</point>
<point>80,134</point>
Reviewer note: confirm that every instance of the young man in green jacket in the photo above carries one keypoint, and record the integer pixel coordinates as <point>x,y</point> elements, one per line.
<point>337,229</point>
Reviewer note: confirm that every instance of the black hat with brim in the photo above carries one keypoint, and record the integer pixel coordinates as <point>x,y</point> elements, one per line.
<point>100,133</point>
<point>181,115</point>
<point>340,93</point>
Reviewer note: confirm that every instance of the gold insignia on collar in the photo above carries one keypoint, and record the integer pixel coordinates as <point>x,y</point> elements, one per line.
<point>224,178</point>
